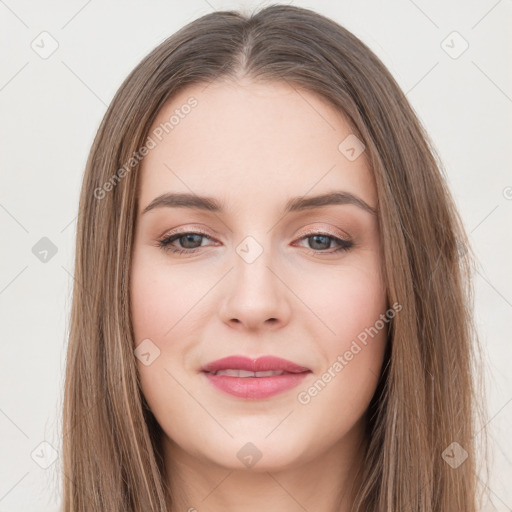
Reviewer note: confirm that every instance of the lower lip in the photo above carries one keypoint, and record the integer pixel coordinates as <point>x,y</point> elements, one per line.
<point>255,388</point>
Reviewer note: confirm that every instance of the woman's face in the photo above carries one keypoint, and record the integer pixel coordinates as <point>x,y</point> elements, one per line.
<point>268,268</point>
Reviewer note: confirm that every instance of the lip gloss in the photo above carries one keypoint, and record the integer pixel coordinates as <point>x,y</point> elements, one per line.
<point>255,388</point>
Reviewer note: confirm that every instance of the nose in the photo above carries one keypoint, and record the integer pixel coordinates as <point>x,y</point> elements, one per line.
<point>256,296</point>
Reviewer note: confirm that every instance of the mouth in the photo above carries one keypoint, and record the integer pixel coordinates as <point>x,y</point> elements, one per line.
<point>254,379</point>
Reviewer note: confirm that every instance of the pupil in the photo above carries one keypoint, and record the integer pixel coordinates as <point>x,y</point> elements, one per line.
<point>326,241</point>
<point>190,238</point>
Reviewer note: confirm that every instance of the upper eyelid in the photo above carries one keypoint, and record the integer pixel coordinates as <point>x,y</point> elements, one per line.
<point>186,232</point>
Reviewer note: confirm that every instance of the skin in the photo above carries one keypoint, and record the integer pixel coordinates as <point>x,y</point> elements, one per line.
<point>253,146</point>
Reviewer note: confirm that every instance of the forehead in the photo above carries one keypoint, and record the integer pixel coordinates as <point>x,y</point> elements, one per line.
<point>245,142</point>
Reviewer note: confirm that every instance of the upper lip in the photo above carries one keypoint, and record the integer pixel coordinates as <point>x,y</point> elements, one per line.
<point>261,364</point>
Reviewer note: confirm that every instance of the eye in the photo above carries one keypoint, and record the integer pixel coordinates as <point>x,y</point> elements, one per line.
<point>189,242</point>
<point>320,242</point>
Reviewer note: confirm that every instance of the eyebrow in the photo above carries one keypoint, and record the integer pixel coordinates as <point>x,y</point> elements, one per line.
<point>295,204</point>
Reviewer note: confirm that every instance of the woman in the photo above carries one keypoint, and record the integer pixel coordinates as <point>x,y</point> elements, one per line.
<point>271,300</point>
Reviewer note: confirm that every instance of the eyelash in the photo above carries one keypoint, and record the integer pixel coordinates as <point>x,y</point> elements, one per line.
<point>165,244</point>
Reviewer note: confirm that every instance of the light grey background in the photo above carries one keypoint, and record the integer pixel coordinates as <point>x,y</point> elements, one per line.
<point>51,108</point>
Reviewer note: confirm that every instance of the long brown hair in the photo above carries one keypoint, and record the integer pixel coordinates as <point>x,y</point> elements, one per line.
<point>426,399</point>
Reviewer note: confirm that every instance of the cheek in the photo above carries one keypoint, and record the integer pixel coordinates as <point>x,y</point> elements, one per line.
<point>356,304</point>
<point>348,300</point>
<point>155,309</point>
<point>335,401</point>
<point>162,310</point>
<point>160,297</point>
<point>352,305</point>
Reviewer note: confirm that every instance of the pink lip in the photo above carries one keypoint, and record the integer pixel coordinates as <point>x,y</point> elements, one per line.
<point>255,387</point>
<point>262,364</point>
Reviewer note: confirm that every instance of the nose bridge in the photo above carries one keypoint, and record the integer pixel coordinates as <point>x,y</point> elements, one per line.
<point>252,274</point>
<point>255,294</point>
